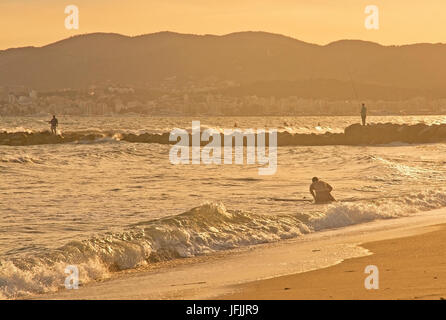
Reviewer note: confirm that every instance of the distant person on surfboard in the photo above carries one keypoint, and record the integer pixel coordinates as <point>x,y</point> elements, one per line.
<point>320,191</point>
<point>363,114</point>
<point>54,123</point>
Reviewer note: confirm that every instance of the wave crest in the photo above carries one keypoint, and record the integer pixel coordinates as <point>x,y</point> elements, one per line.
<point>208,228</point>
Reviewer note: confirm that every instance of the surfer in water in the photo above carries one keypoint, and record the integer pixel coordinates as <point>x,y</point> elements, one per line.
<point>54,123</point>
<point>320,190</point>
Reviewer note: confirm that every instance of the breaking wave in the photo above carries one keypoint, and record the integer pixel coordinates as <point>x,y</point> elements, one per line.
<point>200,231</point>
<point>350,213</point>
<point>205,229</point>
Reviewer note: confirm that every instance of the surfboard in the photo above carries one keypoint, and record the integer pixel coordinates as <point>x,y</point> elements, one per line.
<point>343,200</point>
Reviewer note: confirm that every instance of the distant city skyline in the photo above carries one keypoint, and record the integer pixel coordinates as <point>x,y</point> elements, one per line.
<point>26,23</point>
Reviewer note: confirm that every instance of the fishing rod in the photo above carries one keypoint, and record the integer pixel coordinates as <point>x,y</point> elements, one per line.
<point>353,84</point>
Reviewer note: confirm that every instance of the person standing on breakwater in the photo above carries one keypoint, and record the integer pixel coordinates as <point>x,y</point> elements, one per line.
<point>363,114</point>
<point>54,123</point>
<point>320,190</point>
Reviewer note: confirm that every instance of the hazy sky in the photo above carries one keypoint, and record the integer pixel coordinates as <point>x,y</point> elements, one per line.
<point>39,22</point>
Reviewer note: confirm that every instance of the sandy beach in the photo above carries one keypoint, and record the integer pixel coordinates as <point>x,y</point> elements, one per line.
<point>409,268</point>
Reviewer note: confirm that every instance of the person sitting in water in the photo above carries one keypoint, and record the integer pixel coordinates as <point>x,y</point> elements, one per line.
<point>320,191</point>
<point>54,123</point>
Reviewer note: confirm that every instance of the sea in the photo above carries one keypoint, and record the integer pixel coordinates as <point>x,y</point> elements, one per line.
<point>107,205</point>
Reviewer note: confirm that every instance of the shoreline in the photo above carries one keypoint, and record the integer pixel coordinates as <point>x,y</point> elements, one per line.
<point>222,276</point>
<point>409,268</point>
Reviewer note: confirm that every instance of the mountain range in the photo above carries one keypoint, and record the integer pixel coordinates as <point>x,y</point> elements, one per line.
<point>258,61</point>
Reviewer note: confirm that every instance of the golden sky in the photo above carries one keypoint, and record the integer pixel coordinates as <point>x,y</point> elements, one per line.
<point>39,22</point>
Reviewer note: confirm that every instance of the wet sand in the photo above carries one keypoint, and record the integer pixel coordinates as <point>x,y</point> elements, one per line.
<point>409,268</point>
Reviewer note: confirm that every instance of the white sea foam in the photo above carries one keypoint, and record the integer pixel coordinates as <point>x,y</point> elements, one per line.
<point>23,159</point>
<point>344,214</point>
<point>202,230</point>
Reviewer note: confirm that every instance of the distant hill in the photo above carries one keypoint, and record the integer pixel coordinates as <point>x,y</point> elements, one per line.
<point>244,57</point>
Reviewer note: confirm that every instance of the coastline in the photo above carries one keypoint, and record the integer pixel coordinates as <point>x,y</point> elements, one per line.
<point>410,268</point>
<point>224,275</point>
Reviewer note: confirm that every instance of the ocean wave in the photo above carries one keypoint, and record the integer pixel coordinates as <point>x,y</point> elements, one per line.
<point>208,228</point>
<point>16,130</point>
<point>22,159</point>
<point>200,231</point>
<point>406,170</point>
<point>374,134</point>
<point>344,214</point>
